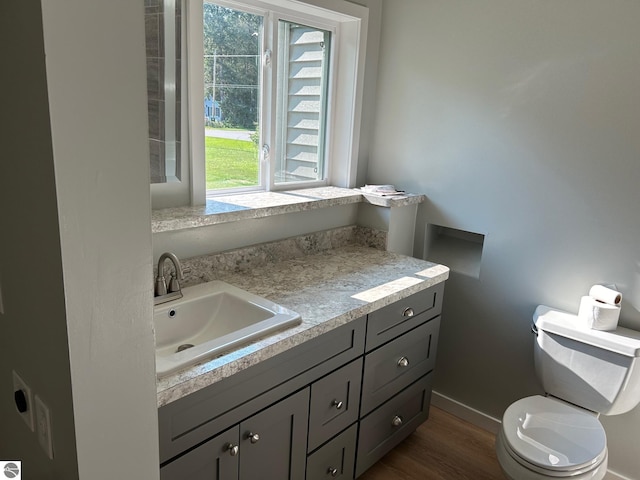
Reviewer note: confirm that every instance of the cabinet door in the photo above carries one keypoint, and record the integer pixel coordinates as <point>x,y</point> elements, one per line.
<point>273,443</point>
<point>216,459</point>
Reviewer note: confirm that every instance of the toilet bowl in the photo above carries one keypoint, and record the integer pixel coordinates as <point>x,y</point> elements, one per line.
<point>585,373</point>
<point>542,438</point>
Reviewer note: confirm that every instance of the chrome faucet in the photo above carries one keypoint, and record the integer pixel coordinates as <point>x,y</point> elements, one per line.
<point>162,292</point>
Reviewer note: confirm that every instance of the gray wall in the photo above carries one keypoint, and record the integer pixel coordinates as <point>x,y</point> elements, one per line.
<point>519,120</point>
<point>75,256</point>
<point>95,59</point>
<point>33,327</point>
<point>370,83</point>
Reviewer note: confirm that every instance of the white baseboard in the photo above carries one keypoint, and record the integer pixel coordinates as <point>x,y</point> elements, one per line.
<point>465,412</point>
<point>486,422</point>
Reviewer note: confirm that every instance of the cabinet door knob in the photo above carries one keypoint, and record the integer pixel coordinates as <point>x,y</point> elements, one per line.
<point>232,449</point>
<point>253,437</point>
<point>396,421</point>
<point>332,471</point>
<point>337,403</point>
<point>408,312</point>
<point>403,362</point>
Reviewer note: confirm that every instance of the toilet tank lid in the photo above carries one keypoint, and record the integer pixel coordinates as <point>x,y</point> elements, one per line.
<point>621,340</point>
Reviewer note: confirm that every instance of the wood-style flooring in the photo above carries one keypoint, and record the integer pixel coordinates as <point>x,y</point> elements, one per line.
<point>443,448</point>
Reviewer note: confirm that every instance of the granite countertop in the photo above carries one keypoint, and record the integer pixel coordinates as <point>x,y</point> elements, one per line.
<point>231,208</point>
<point>327,289</point>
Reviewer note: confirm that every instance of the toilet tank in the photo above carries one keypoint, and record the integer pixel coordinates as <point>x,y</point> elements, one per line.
<point>597,370</point>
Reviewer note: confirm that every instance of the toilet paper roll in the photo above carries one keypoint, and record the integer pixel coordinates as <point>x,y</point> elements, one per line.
<point>605,295</point>
<point>597,315</point>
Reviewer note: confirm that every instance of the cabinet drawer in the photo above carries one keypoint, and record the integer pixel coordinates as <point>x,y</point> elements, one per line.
<point>399,363</point>
<point>334,403</point>
<point>336,459</point>
<point>403,315</point>
<point>387,426</point>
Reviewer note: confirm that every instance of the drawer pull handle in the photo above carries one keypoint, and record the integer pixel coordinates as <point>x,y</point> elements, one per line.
<point>253,437</point>
<point>337,403</point>
<point>408,312</point>
<point>403,362</point>
<point>397,421</point>
<point>332,471</point>
<point>232,449</point>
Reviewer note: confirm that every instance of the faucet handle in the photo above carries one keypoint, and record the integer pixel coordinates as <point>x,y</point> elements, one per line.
<point>161,286</point>
<point>174,285</point>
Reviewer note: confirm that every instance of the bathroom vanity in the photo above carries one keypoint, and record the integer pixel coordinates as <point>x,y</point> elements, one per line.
<point>325,399</point>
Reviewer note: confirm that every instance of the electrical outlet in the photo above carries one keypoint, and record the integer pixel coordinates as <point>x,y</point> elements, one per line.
<point>23,400</point>
<point>43,422</point>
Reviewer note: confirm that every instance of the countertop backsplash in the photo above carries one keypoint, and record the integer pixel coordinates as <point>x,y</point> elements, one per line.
<point>205,268</point>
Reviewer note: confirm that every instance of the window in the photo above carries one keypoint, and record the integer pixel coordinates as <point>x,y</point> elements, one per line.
<point>282,76</point>
<point>303,79</point>
<point>232,46</point>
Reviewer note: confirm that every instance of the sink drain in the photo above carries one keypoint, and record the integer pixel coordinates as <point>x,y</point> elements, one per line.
<point>184,346</point>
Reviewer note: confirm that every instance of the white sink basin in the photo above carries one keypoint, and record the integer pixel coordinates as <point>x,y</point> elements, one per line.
<point>211,319</point>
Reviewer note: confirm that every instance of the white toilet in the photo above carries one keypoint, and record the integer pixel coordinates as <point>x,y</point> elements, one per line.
<point>584,373</point>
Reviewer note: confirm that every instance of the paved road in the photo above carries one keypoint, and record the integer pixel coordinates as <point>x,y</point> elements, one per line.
<point>232,134</point>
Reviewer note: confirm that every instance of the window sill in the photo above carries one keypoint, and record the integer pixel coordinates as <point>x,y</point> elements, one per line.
<point>232,208</point>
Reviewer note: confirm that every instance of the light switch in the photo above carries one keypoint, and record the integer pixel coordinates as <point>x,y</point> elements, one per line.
<point>43,427</point>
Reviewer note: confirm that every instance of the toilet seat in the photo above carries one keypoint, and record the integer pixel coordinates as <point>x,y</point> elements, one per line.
<point>553,438</point>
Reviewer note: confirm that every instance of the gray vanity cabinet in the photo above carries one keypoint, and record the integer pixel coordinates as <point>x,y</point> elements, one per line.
<point>270,444</point>
<point>276,390</point>
<point>328,408</point>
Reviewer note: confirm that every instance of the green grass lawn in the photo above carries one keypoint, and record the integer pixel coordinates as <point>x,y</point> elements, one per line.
<point>230,163</point>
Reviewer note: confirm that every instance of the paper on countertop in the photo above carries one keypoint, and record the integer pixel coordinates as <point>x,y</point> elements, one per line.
<point>382,190</point>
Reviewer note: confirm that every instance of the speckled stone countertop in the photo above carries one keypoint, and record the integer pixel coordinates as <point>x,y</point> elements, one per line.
<point>327,289</point>
<point>231,208</point>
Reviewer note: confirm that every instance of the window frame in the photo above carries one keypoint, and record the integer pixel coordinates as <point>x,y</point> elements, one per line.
<point>348,23</point>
